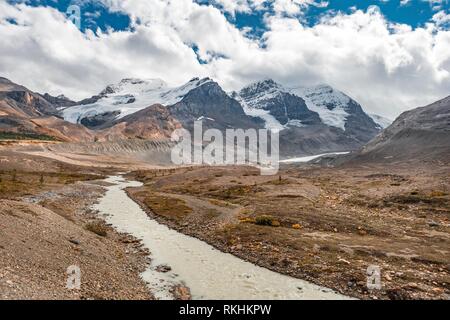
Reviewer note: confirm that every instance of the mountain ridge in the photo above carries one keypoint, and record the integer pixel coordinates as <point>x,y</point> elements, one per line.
<point>310,120</point>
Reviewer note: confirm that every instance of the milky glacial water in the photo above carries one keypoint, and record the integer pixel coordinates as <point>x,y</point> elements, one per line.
<point>208,272</point>
<point>310,158</point>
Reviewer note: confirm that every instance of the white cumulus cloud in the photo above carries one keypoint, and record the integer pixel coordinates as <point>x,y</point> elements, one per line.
<point>387,67</point>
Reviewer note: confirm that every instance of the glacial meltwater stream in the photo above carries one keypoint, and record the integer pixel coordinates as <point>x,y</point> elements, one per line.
<point>208,272</point>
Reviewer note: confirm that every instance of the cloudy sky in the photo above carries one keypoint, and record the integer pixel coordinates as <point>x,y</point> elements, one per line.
<point>390,55</point>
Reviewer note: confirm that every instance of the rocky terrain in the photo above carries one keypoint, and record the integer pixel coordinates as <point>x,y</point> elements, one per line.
<point>152,123</point>
<point>332,225</point>
<point>47,226</point>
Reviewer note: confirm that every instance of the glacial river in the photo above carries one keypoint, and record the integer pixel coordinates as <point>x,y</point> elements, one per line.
<point>208,272</point>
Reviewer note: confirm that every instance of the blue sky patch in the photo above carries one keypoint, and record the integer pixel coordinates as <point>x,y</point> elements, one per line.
<point>415,13</point>
<point>94,14</point>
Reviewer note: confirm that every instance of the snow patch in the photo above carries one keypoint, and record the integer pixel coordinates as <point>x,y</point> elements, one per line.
<point>330,104</point>
<point>205,118</point>
<point>271,123</point>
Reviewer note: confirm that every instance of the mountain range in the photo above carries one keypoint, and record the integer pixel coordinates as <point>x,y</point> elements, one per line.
<point>310,120</point>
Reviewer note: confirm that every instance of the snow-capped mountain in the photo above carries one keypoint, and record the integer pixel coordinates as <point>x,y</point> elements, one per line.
<point>298,106</point>
<point>310,119</point>
<point>125,98</point>
<point>278,107</point>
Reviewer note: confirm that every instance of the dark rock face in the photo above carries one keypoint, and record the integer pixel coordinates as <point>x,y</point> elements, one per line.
<point>359,125</point>
<point>296,109</point>
<point>5,81</point>
<point>100,120</point>
<point>108,90</point>
<point>90,100</point>
<point>60,101</point>
<point>210,101</point>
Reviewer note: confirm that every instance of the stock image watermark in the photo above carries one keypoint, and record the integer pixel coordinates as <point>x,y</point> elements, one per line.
<point>236,147</point>
<point>73,13</point>
<point>73,278</point>
<point>374,278</point>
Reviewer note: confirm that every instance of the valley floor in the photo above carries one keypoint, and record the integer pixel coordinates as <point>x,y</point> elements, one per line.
<point>323,225</point>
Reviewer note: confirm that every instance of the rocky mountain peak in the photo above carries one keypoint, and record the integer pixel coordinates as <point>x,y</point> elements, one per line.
<point>61,101</point>
<point>281,107</point>
<point>264,87</point>
<point>200,80</point>
<point>134,85</point>
<point>324,95</point>
<point>310,120</point>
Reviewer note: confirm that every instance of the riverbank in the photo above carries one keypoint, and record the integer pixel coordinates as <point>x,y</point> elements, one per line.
<point>182,261</point>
